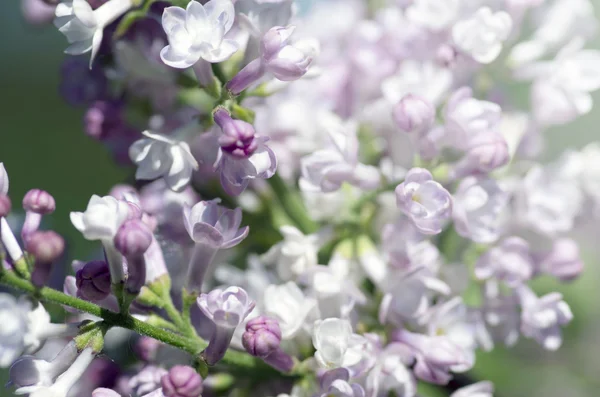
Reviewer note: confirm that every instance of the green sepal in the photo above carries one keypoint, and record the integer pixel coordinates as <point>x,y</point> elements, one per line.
<point>242,113</point>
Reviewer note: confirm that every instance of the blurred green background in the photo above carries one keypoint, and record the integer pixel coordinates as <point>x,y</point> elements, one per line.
<point>43,146</point>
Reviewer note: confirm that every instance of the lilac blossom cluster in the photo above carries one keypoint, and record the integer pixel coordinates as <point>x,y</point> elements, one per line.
<point>397,206</point>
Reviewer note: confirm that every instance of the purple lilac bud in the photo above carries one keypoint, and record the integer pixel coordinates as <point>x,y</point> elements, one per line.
<point>287,62</point>
<point>146,348</point>
<point>93,281</point>
<point>133,240</point>
<point>39,201</point>
<point>227,309</point>
<point>486,152</point>
<point>36,203</point>
<point>543,317</point>
<point>211,227</point>
<point>238,136</point>
<point>182,381</point>
<point>424,201</point>
<point>510,261</point>
<point>262,336</point>
<point>280,360</point>
<point>414,114</point>
<point>46,247</point>
<point>249,75</point>
<point>5,205</point>
<point>563,261</point>
<point>37,12</point>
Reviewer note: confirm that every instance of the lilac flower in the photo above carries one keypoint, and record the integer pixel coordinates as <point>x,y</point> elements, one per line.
<point>477,210</point>
<point>133,240</point>
<point>295,255</point>
<point>288,304</point>
<point>28,373</point>
<point>37,12</point>
<point>182,381</point>
<point>84,27</point>
<point>414,114</point>
<point>330,168</point>
<point>226,309</point>
<point>79,85</point>
<point>147,380</point>
<point>198,33</point>
<point>337,383</point>
<point>211,227</point>
<point>103,392</point>
<point>159,156</point>
<point>479,389</point>
<point>243,156</point>
<point>543,317</point>
<point>4,183</point>
<point>36,203</point>
<point>481,35</point>
<point>433,14</point>
<point>435,356</point>
<point>335,343</point>
<point>510,261</point>
<point>262,336</point>
<point>390,373</point>
<point>258,16</point>
<point>93,281</point>
<point>562,261</point>
<point>424,201</point>
<point>46,247</point>
<point>424,79</point>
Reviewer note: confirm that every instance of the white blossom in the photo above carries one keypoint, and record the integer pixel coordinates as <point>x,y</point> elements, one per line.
<point>424,79</point>
<point>289,306</point>
<point>160,156</point>
<point>84,27</point>
<point>335,343</point>
<point>481,36</point>
<point>293,256</point>
<point>434,14</point>
<point>198,33</point>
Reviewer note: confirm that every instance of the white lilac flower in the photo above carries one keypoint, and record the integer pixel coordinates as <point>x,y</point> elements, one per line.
<point>198,33</point>
<point>481,36</point>
<point>146,380</point>
<point>335,343</point>
<point>414,114</point>
<point>160,156</point>
<point>4,182</point>
<point>434,14</point>
<point>84,27</point>
<point>562,88</point>
<point>226,309</point>
<point>211,227</point>
<point>330,168</point>
<point>543,317</point>
<point>424,201</point>
<point>391,374</point>
<point>478,206</point>
<point>258,16</point>
<point>479,389</point>
<point>295,255</point>
<point>510,261</point>
<point>29,373</point>
<point>336,383</point>
<point>101,220</point>
<point>65,382</point>
<point>288,304</point>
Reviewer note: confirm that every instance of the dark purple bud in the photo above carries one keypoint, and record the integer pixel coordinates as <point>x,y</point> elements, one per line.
<point>414,113</point>
<point>39,201</point>
<point>181,381</point>
<point>238,136</point>
<point>262,336</point>
<point>46,247</point>
<point>133,238</point>
<point>5,205</point>
<point>93,281</point>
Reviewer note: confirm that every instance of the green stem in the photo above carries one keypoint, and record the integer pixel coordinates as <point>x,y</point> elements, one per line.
<point>292,205</point>
<point>191,345</point>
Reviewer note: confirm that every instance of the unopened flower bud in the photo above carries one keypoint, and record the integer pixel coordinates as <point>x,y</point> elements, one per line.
<point>133,238</point>
<point>46,247</point>
<point>93,281</point>
<point>563,261</point>
<point>146,348</point>
<point>238,136</point>
<point>414,113</point>
<point>5,205</point>
<point>182,381</point>
<point>262,336</point>
<point>39,201</point>
<point>486,152</point>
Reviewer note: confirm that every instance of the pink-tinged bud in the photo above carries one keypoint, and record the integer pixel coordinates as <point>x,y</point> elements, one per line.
<point>133,238</point>
<point>238,136</point>
<point>182,381</point>
<point>146,348</point>
<point>286,61</point>
<point>563,261</point>
<point>486,152</point>
<point>46,247</point>
<point>262,336</point>
<point>135,212</point>
<point>93,281</point>
<point>5,205</point>
<point>274,40</point>
<point>414,113</point>
<point>39,201</point>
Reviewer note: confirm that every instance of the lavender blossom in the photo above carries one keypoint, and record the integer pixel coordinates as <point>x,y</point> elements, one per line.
<point>424,201</point>
<point>181,381</point>
<point>337,383</point>
<point>211,227</point>
<point>511,261</point>
<point>133,240</point>
<point>46,247</point>
<point>414,114</point>
<point>36,203</point>
<point>226,309</point>
<point>93,281</point>
<point>262,336</point>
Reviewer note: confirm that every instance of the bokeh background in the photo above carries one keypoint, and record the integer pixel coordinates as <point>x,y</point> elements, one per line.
<point>42,145</point>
